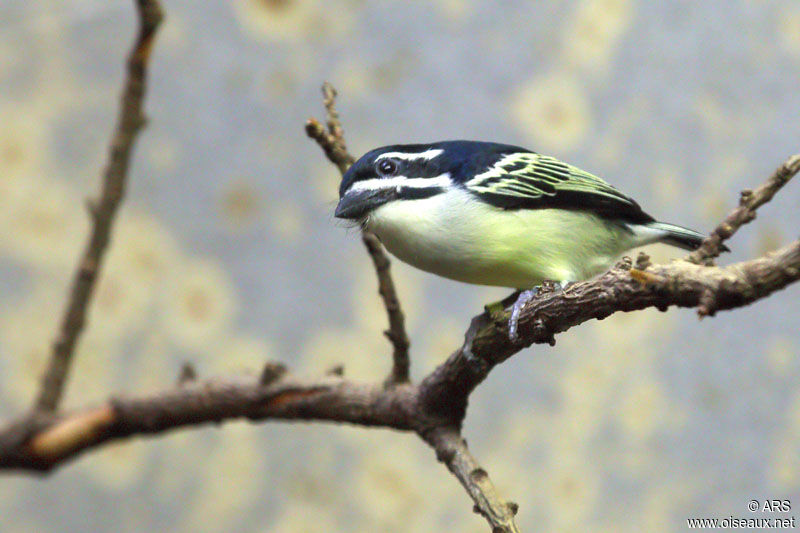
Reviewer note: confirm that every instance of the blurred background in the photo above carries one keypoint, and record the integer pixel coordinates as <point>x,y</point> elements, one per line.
<point>226,254</point>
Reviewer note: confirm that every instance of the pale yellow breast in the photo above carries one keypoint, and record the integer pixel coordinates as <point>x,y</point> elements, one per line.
<point>458,237</point>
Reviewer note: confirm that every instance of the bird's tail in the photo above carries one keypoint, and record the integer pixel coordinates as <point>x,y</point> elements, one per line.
<point>677,236</point>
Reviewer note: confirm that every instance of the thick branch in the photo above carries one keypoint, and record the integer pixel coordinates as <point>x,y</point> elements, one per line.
<point>102,211</point>
<point>680,283</point>
<point>749,201</point>
<point>332,142</point>
<point>441,396</point>
<point>47,440</point>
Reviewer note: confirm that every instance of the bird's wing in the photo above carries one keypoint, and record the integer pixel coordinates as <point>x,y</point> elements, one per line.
<point>526,180</point>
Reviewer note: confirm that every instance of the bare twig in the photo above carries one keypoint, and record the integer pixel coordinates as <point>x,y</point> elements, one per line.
<point>271,372</point>
<point>749,201</point>
<point>397,321</point>
<point>187,374</point>
<point>131,120</point>
<point>332,142</point>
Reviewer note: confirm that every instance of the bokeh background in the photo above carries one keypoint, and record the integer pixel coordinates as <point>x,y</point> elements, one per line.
<point>226,254</point>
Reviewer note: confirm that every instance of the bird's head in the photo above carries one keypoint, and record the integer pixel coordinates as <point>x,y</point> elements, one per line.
<point>404,172</point>
<point>394,173</point>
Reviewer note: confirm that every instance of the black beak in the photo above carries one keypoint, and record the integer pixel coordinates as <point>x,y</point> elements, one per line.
<point>356,204</point>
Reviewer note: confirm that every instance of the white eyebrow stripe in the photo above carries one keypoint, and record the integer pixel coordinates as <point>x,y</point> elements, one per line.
<point>427,155</point>
<point>442,180</point>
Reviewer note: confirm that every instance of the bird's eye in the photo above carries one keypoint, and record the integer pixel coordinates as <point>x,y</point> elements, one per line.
<point>387,167</point>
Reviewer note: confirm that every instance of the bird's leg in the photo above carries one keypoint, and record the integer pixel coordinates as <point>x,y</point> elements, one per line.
<point>495,309</point>
<point>523,298</point>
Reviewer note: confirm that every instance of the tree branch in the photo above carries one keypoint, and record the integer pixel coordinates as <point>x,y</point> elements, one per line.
<point>331,140</point>
<point>749,202</point>
<point>409,407</point>
<point>102,211</point>
<point>49,439</point>
<point>397,321</point>
<point>622,288</point>
<point>435,409</point>
<point>451,449</point>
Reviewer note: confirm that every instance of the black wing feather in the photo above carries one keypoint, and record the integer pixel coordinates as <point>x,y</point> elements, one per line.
<point>526,180</point>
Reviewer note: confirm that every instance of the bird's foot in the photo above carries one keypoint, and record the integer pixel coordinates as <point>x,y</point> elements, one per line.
<point>522,299</point>
<point>496,309</point>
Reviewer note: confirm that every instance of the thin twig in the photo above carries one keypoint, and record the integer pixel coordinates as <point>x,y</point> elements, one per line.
<point>397,321</point>
<point>749,202</point>
<point>102,212</point>
<point>331,139</point>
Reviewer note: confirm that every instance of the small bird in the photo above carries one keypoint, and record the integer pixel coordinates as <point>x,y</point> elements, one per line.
<point>495,214</point>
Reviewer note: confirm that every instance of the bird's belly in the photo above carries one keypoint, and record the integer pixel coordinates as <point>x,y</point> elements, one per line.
<point>477,243</point>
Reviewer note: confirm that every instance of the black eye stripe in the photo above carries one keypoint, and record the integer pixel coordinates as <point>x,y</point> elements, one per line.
<point>418,193</point>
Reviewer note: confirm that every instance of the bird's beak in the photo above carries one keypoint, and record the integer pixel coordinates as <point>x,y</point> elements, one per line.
<point>356,204</point>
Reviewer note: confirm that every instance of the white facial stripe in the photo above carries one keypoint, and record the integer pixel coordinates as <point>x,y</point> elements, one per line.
<point>442,180</point>
<point>427,155</point>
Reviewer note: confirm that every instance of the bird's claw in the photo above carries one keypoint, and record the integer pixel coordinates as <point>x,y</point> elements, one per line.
<point>526,296</point>
<point>513,322</point>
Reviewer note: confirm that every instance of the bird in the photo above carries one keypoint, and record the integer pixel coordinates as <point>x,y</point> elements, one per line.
<point>487,213</point>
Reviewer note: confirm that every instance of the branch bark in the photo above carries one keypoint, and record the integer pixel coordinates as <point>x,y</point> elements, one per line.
<point>451,449</point>
<point>46,440</point>
<point>102,211</point>
<point>749,201</point>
